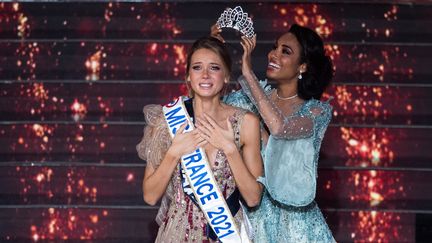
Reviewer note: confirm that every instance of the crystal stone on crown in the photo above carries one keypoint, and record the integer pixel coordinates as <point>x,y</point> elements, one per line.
<point>238,20</point>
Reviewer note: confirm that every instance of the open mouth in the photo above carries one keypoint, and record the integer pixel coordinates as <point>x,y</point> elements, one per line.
<point>273,65</point>
<point>205,85</point>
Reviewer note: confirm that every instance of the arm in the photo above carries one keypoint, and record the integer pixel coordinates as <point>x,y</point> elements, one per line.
<point>241,100</point>
<point>247,168</point>
<point>161,157</point>
<point>280,126</point>
<point>291,165</point>
<point>156,180</point>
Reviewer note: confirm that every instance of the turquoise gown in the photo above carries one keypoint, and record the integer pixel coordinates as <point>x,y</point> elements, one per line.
<point>288,212</point>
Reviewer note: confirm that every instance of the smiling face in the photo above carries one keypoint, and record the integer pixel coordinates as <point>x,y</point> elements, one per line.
<point>284,59</point>
<point>207,73</point>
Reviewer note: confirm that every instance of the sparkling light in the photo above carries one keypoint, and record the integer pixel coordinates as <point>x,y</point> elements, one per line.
<point>78,109</point>
<point>63,224</point>
<point>130,177</point>
<point>93,65</point>
<point>364,147</point>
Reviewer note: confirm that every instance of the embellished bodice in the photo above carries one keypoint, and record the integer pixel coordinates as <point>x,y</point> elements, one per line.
<point>291,156</point>
<point>222,174</point>
<point>287,212</point>
<point>178,213</point>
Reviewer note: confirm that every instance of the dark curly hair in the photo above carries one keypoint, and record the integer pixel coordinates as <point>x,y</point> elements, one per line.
<point>319,67</point>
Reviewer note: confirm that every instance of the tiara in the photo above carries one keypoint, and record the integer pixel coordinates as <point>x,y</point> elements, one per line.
<point>236,19</point>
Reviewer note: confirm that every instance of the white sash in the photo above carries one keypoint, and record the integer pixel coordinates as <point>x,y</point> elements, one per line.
<point>200,178</point>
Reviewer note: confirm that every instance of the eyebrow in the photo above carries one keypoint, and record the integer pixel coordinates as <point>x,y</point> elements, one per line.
<point>212,63</point>
<point>283,45</point>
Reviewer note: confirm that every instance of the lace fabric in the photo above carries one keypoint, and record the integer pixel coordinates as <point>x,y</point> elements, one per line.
<point>288,212</point>
<point>180,220</point>
<point>153,146</point>
<point>156,139</point>
<point>241,100</point>
<point>293,126</point>
<point>275,222</point>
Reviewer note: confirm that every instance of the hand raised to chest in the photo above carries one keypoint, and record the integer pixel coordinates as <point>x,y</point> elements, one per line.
<point>213,133</point>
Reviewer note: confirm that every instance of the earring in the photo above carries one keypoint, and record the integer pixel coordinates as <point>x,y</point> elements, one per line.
<point>300,76</point>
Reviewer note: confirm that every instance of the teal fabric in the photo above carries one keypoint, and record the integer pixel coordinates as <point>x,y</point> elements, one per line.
<point>240,99</point>
<point>290,171</point>
<point>288,212</point>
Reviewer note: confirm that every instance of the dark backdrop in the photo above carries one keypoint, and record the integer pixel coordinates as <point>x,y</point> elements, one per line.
<point>74,77</point>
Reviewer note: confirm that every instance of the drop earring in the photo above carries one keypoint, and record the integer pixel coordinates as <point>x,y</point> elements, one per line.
<point>300,76</point>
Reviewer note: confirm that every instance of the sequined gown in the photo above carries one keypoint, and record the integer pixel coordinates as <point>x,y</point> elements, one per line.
<point>288,212</point>
<point>179,219</point>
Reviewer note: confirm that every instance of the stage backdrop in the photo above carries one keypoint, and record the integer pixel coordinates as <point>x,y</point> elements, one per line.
<point>74,78</point>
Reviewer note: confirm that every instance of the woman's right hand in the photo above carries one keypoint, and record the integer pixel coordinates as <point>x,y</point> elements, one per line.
<point>185,143</point>
<point>215,31</point>
<point>248,45</point>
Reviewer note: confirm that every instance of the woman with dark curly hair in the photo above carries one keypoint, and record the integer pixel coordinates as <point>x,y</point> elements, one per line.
<point>295,122</point>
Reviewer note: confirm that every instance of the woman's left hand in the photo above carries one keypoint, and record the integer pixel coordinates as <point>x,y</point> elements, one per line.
<point>215,135</point>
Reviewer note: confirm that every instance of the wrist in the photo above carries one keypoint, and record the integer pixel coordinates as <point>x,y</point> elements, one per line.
<point>249,75</point>
<point>172,155</point>
<point>230,148</point>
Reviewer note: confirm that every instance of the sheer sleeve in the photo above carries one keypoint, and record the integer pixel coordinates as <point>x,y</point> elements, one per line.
<point>280,126</point>
<point>291,165</point>
<point>240,99</point>
<point>152,149</point>
<point>156,139</point>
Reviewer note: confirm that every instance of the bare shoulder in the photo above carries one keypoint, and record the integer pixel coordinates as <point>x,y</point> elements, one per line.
<point>250,129</point>
<point>251,118</point>
<point>230,109</point>
<point>250,124</point>
<point>247,119</point>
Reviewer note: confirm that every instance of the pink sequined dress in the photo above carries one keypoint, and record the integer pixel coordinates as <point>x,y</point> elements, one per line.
<point>179,219</point>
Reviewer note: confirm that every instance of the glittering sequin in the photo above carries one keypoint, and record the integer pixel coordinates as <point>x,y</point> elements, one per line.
<point>182,220</point>
<point>285,220</point>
